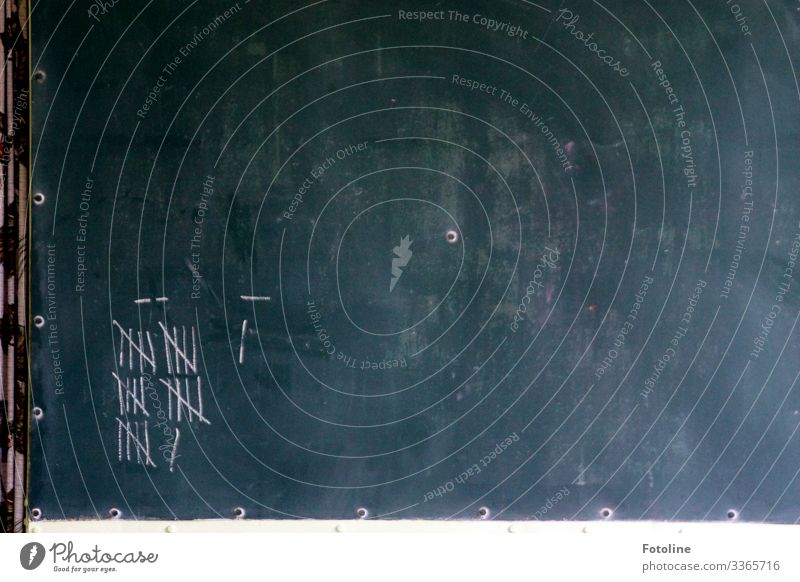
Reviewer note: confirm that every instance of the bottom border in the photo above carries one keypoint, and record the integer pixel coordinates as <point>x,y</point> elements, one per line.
<point>403,526</point>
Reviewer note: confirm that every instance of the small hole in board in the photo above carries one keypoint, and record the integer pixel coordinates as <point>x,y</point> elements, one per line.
<point>114,513</point>
<point>484,513</point>
<point>239,512</point>
<point>38,199</point>
<point>452,236</point>
<point>38,413</point>
<point>732,514</point>
<point>606,513</point>
<point>39,76</point>
<point>36,513</point>
<point>362,512</point>
<point>38,321</point>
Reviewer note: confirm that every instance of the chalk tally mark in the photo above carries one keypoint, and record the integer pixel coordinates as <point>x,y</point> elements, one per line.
<point>136,438</point>
<point>139,351</point>
<point>136,371</point>
<point>181,356</point>
<point>185,400</point>
<point>131,400</point>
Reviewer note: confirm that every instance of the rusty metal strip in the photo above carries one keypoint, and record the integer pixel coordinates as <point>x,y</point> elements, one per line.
<point>14,200</point>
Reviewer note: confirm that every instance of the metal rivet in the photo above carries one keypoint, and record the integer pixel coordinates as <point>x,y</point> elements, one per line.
<point>452,236</point>
<point>38,321</point>
<point>484,513</point>
<point>732,514</point>
<point>36,513</point>
<point>38,198</point>
<point>114,513</point>
<point>39,76</point>
<point>239,512</point>
<point>606,513</point>
<point>362,512</point>
<point>38,413</point>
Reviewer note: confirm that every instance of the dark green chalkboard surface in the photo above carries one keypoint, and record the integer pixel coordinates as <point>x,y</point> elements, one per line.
<point>393,260</point>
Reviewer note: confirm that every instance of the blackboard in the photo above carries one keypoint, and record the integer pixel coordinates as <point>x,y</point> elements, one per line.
<point>393,260</point>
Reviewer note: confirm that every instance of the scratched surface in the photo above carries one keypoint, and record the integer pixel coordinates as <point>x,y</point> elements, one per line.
<point>499,260</point>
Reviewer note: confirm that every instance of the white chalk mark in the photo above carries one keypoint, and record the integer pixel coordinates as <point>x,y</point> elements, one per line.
<point>133,442</point>
<point>145,358</point>
<point>185,360</point>
<point>241,344</point>
<point>255,298</point>
<point>173,456</point>
<point>147,444</point>
<point>152,351</point>
<point>138,403</point>
<point>180,390</point>
<point>148,300</point>
<point>167,350</point>
<point>130,401</point>
<point>169,401</point>
<point>120,395</point>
